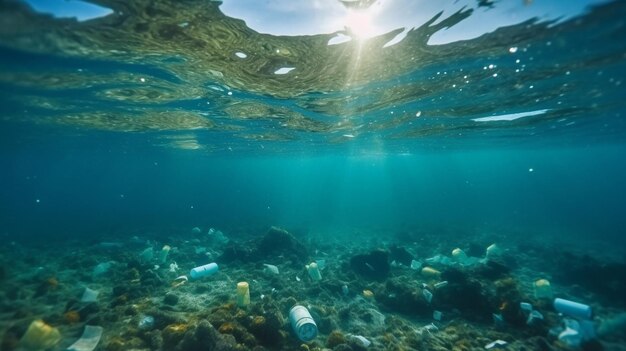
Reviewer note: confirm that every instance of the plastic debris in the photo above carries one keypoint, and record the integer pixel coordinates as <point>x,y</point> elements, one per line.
<point>437,315</point>
<point>196,230</point>
<point>302,323</point>
<point>459,255</point>
<point>344,290</point>
<point>361,340</point>
<point>147,255</point>
<point>498,320</point>
<point>430,272</point>
<point>89,340</point>
<point>243,294</point>
<point>270,268</point>
<point>146,322</point>
<point>441,284</point>
<point>180,281</point>
<point>534,318</point>
<point>204,271</point>
<point>495,345</point>
<point>321,264</point>
<point>492,251</point>
<point>542,289</point>
<point>526,307</point>
<point>40,336</point>
<point>163,254</point>
<point>89,295</point>
<point>314,271</point>
<point>428,296</point>
<point>430,328</point>
<point>572,308</point>
<point>173,267</point>
<point>102,268</point>
<point>416,265</point>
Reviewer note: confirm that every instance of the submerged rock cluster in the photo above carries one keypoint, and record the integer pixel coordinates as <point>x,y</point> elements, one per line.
<point>372,296</point>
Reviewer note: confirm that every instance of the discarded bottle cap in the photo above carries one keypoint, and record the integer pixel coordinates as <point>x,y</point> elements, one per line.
<point>572,309</point>
<point>302,323</point>
<point>204,271</point>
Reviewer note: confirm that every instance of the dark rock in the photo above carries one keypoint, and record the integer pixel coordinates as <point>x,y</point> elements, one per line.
<point>205,337</point>
<point>374,266</point>
<point>492,270</point>
<point>170,299</point>
<point>233,253</point>
<point>464,294</point>
<point>400,255</point>
<point>604,279</point>
<point>404,295</point>
<point>278,242</point>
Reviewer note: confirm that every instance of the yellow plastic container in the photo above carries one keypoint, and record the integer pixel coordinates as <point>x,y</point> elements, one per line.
<point>40,336</point>
<point>543,289</point>
<point>243,294</point>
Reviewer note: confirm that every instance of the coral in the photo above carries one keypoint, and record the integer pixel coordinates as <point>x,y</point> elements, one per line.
<point>335,338</point>
<point>173,334</point>
<point>71,317</point>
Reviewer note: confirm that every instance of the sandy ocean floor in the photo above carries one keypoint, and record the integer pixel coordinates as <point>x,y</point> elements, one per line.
<point>373,294</point>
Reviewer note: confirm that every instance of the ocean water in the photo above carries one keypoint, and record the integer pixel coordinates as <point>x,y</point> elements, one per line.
<point>339,120</point>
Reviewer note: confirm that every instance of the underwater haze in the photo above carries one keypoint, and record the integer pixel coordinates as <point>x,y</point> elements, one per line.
<point>365,124</point>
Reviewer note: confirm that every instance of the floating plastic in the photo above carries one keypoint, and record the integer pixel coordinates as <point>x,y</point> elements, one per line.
<point>495,345</point>
<point>572,308</point>
<point>243,294</point>
<point>302,323</point>
<point>204,271</point>
<point>89,295</point>
<point>89,340</point>
<point>40,336</point>
<point>314,271</point>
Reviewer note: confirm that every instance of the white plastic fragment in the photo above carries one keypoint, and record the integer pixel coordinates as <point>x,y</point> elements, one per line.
<point>437,315</point>
<point>270,268</point>
<point>416,265</point>
<point>89,295</point>
<point>525,306</point>
<point>534,317</point>
<point>361,340</point>
<point>427,295</point>
<point>495,345</point>
<point>441,284</point>
<point>89,340</point>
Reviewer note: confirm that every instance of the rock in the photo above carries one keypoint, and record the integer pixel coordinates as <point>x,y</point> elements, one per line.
<point>170,299</point>
<point>400,255</point>
<point>278,242</point>
<point>374,266</point>
<point>404,295</point>
<point>465,294</point>
<point>205,337</point>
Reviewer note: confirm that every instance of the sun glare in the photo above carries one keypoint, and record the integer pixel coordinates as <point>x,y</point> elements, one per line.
<point>359,23</point>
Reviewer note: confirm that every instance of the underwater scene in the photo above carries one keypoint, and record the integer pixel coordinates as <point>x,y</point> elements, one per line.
<point>346,175</point>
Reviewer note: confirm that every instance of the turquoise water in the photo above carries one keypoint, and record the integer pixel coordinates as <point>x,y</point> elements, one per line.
<point>127,122</point>
<point>449,166</point>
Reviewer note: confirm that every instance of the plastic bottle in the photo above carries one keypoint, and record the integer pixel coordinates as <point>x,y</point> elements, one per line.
<point>302,323</point>
<point>572,309</point>
<point>204,271</point>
